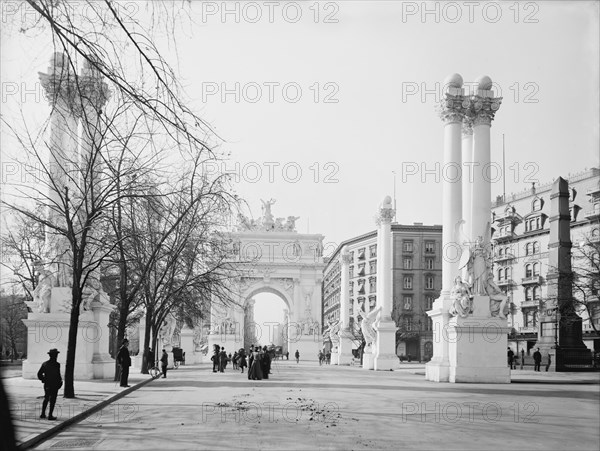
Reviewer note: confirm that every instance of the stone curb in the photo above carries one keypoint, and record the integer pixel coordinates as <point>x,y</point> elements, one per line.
<point>79,417</point>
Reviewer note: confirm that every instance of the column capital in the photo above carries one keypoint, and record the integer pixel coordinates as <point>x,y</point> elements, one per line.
<point>484,108</point>
<point>386,211</point>
<point>452,108</point>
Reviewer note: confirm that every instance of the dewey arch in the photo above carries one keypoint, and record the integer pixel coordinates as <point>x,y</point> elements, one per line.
<point>270,256</point>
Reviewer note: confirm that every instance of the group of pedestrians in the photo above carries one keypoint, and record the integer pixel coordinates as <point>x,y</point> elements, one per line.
<point>324,358</point>
<point>537,360</point>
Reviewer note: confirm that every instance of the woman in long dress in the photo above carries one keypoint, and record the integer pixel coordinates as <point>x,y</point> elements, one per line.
<point>242,360</point>
<point>255,371</point>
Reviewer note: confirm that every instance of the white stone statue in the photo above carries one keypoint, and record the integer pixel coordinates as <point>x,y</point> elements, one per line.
<point>279,224</point>
<point>290,224</point>
<point>43,292</point>
<point>333,328</point>
<point>267,219</point>
<point>498,300</point>
<point>167,329</point>
<point>367,325</point>
<point>462,300</point>
<point>477,262</point>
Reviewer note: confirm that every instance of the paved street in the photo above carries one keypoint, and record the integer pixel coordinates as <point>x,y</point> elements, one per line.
<point>310,407</point>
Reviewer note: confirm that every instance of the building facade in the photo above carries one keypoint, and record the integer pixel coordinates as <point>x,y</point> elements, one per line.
<point>520,233</point>
<point>416,268</point>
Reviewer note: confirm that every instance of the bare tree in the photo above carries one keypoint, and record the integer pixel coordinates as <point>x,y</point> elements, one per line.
<point>585,279</point>
<point>12,313</point>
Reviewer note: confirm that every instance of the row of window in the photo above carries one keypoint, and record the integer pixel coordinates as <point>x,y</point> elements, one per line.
<point>409,247</point>
<point>531,270</point>
<point>361,253</point>
<point>531,248</point>
<point>407,302</point>
<point>408,263</point>
<point>410,325</point>
<point>408,282</point>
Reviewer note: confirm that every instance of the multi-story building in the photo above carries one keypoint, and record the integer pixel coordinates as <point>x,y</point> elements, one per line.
<point>520,233</point>
<point>416,267</point>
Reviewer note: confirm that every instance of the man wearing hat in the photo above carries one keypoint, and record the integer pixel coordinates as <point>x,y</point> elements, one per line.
<point>124,360</point>
<point>49,374</point>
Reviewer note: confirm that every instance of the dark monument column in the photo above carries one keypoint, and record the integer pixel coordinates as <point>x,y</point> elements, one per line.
<point>557,315</point>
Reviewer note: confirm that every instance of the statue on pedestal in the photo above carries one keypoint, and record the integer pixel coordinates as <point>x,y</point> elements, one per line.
<point>333,328</point>
<point>462,299</point>
<point>43,292</point>
<point>367,326</point>
<point>498,300</point>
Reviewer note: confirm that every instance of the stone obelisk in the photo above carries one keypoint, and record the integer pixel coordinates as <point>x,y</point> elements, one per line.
<point>560,332</point>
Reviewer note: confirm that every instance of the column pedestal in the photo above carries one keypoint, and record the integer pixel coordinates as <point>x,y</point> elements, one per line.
<point>438,368</point>
<point>368,360</point>
<point>477,346</point>
<point>186,337</point>
<point>345,349</point>
<point>385,356</point>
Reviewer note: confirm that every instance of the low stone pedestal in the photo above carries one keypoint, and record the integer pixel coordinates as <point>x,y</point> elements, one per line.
<point>345,349</point>
<point>51,330</point>
<point>438,368</point>
<point>334,358</point>
<point>477,346</point>
<point>368,361</point>
<point>385,357</point>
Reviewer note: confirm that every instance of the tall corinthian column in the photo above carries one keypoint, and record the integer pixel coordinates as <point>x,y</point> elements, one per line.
<point>345,333</point>
<point>483,107</point>
<point>452,111</point>
<point>385,350</point>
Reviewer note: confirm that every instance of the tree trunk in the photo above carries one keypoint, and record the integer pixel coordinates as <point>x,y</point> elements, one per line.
<point>72,345</point>
<point>122,325</point>
<point>147,329</point>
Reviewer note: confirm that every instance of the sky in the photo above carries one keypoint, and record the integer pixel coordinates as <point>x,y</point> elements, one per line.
<point>320,103</point>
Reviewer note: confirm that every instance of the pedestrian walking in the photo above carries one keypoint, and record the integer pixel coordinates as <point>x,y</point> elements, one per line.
<point>287,355</point>
<point>222,360</point>
<point>297,355</point>
<point>215,357</point>
<point>242,360</point>
<point>255,371</point>
<point>511,358</point>
<point>49,374</point>
<point>124,361</point>
<point>150,358</point>
<point>164,361</point>
<point>549,362</point>
<point>537,360</point>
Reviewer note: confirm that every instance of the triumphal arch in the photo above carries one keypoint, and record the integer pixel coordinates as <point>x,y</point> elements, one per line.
<point>270,256</point>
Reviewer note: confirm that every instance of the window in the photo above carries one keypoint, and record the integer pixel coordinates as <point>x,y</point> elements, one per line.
<point>429,324</point>
<point>408,246</point>
<point>429,263</point>
<point>429,282</point>
<point>429,247</point>
<point>408,263</point>
<point>373,267</point>
<point>536,269</point>
<point>429,302</point>
<point>361,269</point>
<point>500,252</point>
<point>373,251</point>
<point>407,302</point>
<point>528,270</point>
<point>536,205</point>
<point>408,282</point>
<point>361,253</point>
<point>409,323</point>
<point>372,302</point>
<point>529,249</point>
<point>536,293</point>
<point>351,253</point>
<point>351,271</point>
<point>528,293</point>
<point>536,247</point>
<point>372,284</point>
<point>361,286</point>
<point>351,288</point>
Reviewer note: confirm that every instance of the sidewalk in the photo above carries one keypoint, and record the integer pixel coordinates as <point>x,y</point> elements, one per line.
<point>26,397</point>
<point>525,376</point>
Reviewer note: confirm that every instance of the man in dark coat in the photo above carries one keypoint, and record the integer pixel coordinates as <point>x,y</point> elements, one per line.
<point>537,359</point>
<point>164,362</point>
<point>222,360</point>
<point>124,360</point>
<point>49,374</point>
<point>215,357</point>
<point>511,358</point>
